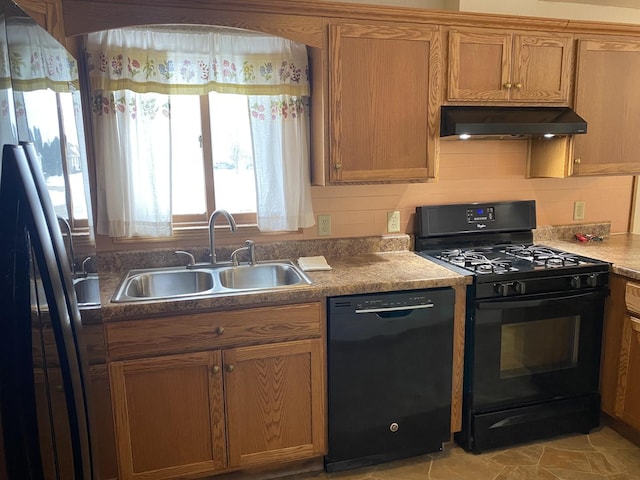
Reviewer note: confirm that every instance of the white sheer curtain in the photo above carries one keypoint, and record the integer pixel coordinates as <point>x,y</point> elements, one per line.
<point>282,173</point>
<point>134,167</point>
<point>133,159</point>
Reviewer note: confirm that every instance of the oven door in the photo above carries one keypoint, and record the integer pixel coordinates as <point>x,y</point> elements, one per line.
<point>535,348</point>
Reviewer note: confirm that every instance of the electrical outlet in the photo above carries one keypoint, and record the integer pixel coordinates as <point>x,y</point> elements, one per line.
<point>324,225</point>
<point>393,221</point>
<point>578,211</point>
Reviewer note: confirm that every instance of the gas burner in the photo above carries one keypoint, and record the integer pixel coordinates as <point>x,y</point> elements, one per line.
<point>542,256</point>
<point>477,261</point>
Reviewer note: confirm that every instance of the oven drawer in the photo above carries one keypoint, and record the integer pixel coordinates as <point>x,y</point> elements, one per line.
<point>632,297</point>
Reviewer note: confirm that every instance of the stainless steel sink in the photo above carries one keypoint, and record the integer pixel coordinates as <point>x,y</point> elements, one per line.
<point>208,280</point>
<point>87,290</point>
<point>261,276</point>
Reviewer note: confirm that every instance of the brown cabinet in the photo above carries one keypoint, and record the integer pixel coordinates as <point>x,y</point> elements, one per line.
<point>608,98</point>
<point>254,397</point>
<point>620,370</point>
<point>627,406</point>
<point>495,66</point>
<point>384,102</point>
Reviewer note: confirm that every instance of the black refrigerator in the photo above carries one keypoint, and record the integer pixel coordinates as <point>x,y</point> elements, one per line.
<point>36,286</point>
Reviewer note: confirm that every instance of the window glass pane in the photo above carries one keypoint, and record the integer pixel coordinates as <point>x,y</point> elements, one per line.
<point>187,170</point>
<point>41,111</point>
<point>233,172</point>
<point>76,163</point>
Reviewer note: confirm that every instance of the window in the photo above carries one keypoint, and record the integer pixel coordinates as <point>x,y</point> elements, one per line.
<point>206,118</point>
<point>220,154</point>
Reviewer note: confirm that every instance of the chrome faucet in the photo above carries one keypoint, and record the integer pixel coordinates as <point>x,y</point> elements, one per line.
<point>64,224</point>
<point>249,247</point>
<point>212,221</point>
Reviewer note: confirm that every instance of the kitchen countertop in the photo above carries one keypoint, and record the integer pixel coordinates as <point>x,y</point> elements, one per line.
<point>367,273</point>
<point>621,250</point>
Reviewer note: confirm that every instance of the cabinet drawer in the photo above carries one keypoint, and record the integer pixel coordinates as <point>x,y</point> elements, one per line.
<point>212,330</point>
<point>632,297</point>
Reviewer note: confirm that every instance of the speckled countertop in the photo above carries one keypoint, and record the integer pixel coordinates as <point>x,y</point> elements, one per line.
<point>361,266</point>
<point>621,250</point>
<point>350,274</point>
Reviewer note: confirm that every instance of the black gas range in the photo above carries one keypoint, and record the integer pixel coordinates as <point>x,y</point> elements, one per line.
<point>533,323</point>
<point>494,243</point>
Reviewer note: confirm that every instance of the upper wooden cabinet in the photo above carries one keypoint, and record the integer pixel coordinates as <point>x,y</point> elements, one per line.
<point>384,102</point>
<point>608,98</point>
<point>494,66</point>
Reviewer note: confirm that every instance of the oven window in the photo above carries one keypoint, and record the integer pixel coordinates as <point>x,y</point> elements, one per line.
<point>539,346</point>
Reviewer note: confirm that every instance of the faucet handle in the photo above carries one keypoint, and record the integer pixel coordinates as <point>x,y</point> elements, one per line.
<point>191,260</point>
<point>251,246</point>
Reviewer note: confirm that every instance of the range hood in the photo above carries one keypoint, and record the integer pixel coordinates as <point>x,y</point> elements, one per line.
<point>510,121</point>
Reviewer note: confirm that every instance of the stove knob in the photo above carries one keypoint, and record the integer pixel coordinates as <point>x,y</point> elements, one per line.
<point>502,288</point>
<point>521,288</point>
<point>592,280</point>
<point>576,281</point>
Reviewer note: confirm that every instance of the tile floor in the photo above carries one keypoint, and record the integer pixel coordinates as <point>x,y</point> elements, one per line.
<point>603,454</point>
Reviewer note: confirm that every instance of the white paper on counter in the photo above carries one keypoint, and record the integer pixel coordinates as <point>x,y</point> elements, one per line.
<point>313,263</point>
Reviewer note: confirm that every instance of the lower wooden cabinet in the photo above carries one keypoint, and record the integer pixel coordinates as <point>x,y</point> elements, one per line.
<point>620,371</point>
<point>628,393</point>
<point>197,413</point>
<point>169,415</point>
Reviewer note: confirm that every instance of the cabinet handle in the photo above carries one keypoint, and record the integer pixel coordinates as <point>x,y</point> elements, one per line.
<point>229,368</point>
<point>577,161</point>
<point>508,85</point>
<point>59,388</point>
<point>215,369</point>
<point>220,330</point>
<point>337,166</point>
<point>518,85</point>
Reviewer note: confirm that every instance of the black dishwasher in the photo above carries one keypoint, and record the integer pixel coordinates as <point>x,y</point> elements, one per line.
<point>389,375</point>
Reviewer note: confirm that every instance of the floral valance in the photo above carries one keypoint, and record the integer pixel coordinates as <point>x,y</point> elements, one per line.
<point>196,61</point>
<point>5,74</point>
<point>36,60</point>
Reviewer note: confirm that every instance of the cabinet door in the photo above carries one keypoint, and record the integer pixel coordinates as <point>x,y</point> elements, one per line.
<point>541,69</point>
<point>275,402</point>
<point>168,413</point>
<point>384,102</point>
<point>628,399</point>
<point>479,66</point>
<point>608,98</point>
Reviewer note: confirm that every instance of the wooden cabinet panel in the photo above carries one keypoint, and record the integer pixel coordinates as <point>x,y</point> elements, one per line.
<point>275,402</point>
<point>205,331</point>
<point>479,66</point>
<point>169,415</point>
<point>628,399</point>
<point>608,98</point>
<point>384,102</point>
<point>542,66</point>
<point>494,66</point>
<point>102,429</point>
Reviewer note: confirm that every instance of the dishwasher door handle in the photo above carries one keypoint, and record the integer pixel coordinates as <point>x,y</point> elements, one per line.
<point>395,309</point>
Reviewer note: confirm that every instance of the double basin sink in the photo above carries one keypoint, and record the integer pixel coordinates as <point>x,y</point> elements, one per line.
<point>207,280</point>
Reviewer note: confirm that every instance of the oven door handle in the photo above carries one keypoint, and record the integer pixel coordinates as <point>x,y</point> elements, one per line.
<point>539,302</point>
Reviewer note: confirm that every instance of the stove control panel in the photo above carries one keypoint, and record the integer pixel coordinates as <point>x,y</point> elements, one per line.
<point>481,214</point>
